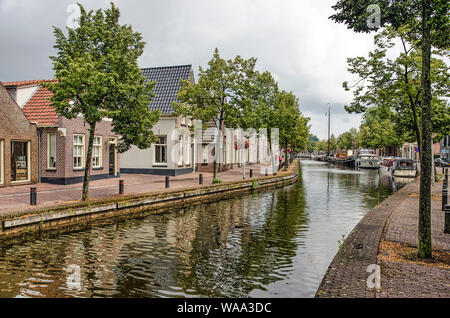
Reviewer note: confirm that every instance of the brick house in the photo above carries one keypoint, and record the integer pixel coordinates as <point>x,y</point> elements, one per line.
<point>62,142</point>
<point>18,144</point>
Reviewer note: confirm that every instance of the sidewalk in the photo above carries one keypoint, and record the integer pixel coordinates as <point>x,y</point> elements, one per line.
<point>402,274</point>
<point>49,194</point>
<point>387,236</point>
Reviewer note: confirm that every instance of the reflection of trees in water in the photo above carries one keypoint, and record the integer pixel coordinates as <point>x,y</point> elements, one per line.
<point>370,183</point>
<point>232,257</point>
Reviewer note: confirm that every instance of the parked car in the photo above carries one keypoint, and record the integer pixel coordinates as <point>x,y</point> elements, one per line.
<point>439,162</point>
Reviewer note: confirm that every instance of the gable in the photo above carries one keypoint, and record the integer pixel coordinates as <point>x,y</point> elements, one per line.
<point>12,119</point>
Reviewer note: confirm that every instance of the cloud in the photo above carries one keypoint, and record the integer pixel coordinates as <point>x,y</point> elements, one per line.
<point>293,39</point>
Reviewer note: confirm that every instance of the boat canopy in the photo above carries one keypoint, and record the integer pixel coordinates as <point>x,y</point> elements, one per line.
<point>404,164</point>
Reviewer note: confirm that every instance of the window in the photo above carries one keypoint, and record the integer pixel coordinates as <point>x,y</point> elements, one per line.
<point>161,150</point>
<point>20,161</point>
<point>78,151</point>
<point>97,152</point>
<point>183,121</point>
<point>51,151</point>
<point>2,162</point>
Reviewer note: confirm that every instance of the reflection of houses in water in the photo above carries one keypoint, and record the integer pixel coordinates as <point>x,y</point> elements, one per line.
<point>100,252</point>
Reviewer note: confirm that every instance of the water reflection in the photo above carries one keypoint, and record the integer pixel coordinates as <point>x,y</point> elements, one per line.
<point>277,243</point>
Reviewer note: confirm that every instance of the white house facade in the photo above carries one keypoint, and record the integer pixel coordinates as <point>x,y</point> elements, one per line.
<point>172,154</point>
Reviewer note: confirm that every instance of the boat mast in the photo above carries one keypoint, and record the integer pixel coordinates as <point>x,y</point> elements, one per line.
<point>329,114</point>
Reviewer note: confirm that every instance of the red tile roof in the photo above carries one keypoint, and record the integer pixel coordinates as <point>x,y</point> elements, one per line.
<point>39,110</point>
<point>24,83</point>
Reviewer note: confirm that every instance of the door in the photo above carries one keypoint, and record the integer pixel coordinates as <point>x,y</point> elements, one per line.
<point>112,160</point>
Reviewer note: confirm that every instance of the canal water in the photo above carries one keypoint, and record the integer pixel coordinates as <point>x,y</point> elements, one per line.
<point>276,243</point>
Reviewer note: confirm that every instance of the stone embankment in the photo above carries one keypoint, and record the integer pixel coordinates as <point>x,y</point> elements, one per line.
<point>22,224</point>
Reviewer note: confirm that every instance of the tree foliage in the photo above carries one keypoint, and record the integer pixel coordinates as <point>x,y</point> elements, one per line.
<point>98,77</point>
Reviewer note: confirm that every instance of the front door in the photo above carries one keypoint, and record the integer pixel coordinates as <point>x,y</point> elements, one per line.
<point>112,160</point>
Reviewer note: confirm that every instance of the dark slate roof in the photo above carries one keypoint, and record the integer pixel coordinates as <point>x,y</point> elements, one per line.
<point>167,85</point>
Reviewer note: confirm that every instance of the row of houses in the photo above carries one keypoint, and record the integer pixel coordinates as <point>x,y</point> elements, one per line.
<point>411,150</point>
<point>38,145</point>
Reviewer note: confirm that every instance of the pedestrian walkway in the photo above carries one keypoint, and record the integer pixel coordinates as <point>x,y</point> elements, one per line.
<point>405,276</point>
<point>18,197</point>
<point>394,221</point>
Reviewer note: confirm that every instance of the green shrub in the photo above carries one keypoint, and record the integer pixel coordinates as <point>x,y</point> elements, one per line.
<point>215,181</point>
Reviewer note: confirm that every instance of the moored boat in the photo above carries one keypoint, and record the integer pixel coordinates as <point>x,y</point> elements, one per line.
<point>404,168</point>
<point>368,161</point>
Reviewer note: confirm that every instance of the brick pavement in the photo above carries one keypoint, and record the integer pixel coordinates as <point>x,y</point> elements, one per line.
<point>394,219</point>
<point>406,279</point>
<point>17,197</point>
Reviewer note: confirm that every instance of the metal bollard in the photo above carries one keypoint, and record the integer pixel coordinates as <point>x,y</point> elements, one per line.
<point>447,219</point>
<point>200,179</point>
<point>121,187</point>
<point>267,172</point>
<point>251,173</point>
<point>33,196</point>
<point>444,198</point>
<point>167,182</point>
<point>446,178</point>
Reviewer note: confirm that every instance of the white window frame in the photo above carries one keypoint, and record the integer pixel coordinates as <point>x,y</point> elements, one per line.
<point>48,151</point>
<point>2,162</point>
<point>157,144</point>
<point>83,146</point>
<point>100,152</point>
<point>183,120</point>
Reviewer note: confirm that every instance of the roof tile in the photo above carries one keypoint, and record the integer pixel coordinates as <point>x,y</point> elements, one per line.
<point>39,108</point>
<point>167,85</point>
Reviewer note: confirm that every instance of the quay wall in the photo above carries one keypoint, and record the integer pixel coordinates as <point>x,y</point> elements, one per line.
<point>25,225</point>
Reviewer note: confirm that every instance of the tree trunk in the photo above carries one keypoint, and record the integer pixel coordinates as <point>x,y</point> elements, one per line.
<point>87,171</point>
<point>424,238</point>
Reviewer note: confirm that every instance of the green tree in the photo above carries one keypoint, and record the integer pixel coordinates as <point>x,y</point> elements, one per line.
<point>393,84</point>
<point>98,77</point>
<point>429,20</point>
<point>257,103</point>
<point>293,126</point>
<point>216,97</point>
<point>312,141</point>
<point>377,130</point>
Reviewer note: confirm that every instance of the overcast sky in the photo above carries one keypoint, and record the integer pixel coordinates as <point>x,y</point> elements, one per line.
<point>293,39</point>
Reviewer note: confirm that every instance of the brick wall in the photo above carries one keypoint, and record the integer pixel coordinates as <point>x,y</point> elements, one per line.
<point>15,127</point>
<point>64,153</point>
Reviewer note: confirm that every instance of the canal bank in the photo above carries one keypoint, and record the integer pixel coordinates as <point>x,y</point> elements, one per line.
<point>387,237</point>
<point>273,243</point>
<point>25,224</point>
